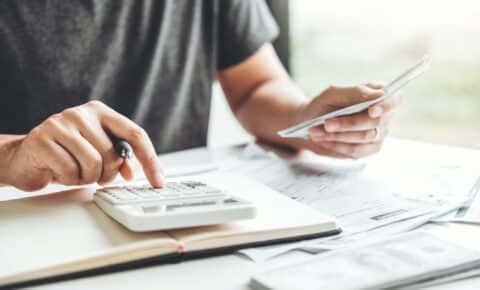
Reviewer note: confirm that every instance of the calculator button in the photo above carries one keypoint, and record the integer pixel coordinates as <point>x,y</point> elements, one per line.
<point>170,196</point>
<point>165,192</point>
<point>172,191</point>
<point>140,191</point>
<point>209,189</point>
<point>194,184</point>
<point>107,197</point>
<point>124,195</point>
<point>146,194</point>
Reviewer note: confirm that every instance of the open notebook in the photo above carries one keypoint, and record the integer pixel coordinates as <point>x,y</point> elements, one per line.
<point>65,234</point>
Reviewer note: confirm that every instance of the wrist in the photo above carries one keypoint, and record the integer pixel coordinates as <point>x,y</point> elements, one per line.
<point>301,112</point>
<point>8,147</point>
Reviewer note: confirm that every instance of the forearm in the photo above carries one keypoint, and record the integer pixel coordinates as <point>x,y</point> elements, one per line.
<point>265,100</point>
<point>272,106</point>
<point>7,145</point>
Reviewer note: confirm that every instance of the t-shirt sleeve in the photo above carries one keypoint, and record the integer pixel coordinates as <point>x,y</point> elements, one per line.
<point>244,26</point>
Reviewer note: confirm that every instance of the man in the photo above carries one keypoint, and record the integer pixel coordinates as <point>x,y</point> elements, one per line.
<point>74,74</point>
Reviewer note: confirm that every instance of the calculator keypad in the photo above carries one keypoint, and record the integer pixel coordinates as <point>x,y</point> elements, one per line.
<point>171,191</point>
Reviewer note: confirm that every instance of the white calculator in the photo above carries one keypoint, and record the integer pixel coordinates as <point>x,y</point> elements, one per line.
<point>176,205</point>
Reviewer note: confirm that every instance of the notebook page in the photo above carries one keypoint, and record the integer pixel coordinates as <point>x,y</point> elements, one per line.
<point>67,228</point>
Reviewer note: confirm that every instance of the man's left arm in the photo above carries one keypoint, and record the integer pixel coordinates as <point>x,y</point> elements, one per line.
<point>265,100</point>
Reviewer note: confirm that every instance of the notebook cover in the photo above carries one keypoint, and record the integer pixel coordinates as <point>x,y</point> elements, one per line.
<point>163,259</point>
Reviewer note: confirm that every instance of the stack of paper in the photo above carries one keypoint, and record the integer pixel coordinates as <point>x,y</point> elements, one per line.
<point>368,203</point>
<point>398,261</point>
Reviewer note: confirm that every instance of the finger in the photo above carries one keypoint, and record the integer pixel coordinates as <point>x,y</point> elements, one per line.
<point>85,154</point>
<point>353,150</point>
<point>63,165</point>
<point>123,128</point>
<point>383,107</point>
<point>144,151</point>
<point>357,122</point>
<point>343,96</point>
<point>110,170</point>
<point>317,131</point>
<point>127,170</point>
<point>318,149</point>
<point>96,135</point>
<point>378,85</point>
<point>356,137</point>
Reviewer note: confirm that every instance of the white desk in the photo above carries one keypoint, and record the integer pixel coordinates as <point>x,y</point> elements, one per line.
<point>228,272</point>
<point>234,272</point>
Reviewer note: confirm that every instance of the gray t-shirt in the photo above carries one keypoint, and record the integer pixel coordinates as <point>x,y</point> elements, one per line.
<point>151,60</point>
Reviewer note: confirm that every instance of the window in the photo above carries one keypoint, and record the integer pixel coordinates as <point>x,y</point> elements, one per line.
<point>348,41</point>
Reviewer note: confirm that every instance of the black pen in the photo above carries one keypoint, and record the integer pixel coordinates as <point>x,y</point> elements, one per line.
<point>123,148</point>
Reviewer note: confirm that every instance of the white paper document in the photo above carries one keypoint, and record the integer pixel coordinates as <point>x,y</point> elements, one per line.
<point>365,202</point>
<point>447,280</point>
<point>395,262</point>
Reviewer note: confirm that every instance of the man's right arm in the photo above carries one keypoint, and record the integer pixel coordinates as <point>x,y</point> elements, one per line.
<point>75,147</point>
<point>7,145</point>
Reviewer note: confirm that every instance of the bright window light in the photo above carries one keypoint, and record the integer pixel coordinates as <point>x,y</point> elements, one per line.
<point>350,41</point>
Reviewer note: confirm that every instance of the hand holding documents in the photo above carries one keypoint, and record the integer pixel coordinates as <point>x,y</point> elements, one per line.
<point>301,130</point>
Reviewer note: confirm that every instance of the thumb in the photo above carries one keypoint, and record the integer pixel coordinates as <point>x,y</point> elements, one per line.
<point>343,96</point>
<point>127,170</point>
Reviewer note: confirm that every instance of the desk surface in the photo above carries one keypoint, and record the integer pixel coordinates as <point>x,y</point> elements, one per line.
<point>234,271</point>
<point>230,272</point>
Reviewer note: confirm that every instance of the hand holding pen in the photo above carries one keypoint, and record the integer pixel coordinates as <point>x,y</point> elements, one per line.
<point>74,147</point>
